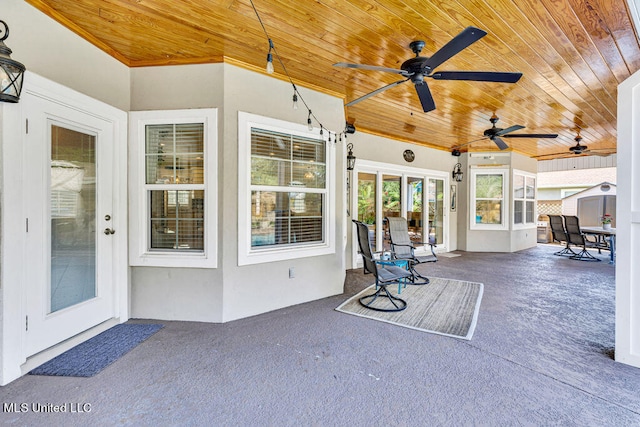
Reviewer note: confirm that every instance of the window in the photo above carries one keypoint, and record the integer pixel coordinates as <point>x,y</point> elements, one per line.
<point>285,191</point>
<point>524,199</point>
<point>489,210</point>
<point>174,170</point>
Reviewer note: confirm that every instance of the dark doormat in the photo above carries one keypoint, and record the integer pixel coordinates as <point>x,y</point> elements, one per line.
<point>92,356</point>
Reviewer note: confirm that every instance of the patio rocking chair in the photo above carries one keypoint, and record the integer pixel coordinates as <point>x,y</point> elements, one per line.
<point>559,234</point>
<point>403,248</point>
<point>577,237</point>
<point>384,273</point>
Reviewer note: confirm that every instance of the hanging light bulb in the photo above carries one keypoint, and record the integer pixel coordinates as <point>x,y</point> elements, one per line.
<point>270,59</point>
<point>321,131</point>
<point>309,124</point>
<point>269,64</point>
<point>295,101</point>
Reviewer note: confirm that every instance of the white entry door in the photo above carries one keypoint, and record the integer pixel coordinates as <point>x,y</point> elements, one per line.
<point>69,226</point>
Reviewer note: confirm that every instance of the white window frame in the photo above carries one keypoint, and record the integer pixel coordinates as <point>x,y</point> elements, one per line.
<point>139,209</point>
<point>504,220</point>
<point>534,221</point>
<point>248,255</point>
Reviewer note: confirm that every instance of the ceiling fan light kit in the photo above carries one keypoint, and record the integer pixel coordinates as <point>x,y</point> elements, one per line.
<point>418,68</point>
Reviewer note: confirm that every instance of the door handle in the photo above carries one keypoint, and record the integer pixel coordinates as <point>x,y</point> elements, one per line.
<point>109,231</point>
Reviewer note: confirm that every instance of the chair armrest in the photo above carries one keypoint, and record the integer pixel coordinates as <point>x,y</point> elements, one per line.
<point>431,246</point>
<point>403,244</point>
<point>426,243</point>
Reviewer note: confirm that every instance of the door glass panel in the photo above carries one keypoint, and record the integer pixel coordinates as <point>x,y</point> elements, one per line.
<point>436,211</point>
<point>414,208</point>
<point>391,197</point>
<point>367,203</point>
<point>73,213</point>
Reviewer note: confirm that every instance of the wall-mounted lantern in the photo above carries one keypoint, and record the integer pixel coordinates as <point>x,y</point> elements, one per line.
<point>457,172</point>
<point>11,72</point>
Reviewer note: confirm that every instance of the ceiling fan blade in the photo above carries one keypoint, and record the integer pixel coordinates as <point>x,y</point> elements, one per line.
<point>500,143</point>
<point>426,99</point>
<point>371,67</point>
<point>463,40</point>
<point>513,128</point>
<point>572,153</point>
<point>375,92</point>
<point>532,135</point>
<point>478,76</point>
<point>470,142</point>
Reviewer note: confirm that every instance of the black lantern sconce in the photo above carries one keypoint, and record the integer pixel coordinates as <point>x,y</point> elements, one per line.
<point>351,159</point>
<point>11,72</point>
<point>457,172</point>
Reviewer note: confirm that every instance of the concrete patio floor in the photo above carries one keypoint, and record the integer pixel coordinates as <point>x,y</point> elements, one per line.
<point>542,354</point>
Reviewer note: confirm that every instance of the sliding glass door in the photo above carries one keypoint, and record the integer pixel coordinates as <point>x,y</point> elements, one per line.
<point>417,195</point>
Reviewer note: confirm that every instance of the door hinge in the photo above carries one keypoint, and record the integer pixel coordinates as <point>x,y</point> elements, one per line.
<point>26,125</point>
<point>26,323</point>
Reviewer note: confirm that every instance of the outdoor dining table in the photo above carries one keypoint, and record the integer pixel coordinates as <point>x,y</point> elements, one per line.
<point>607,233</point>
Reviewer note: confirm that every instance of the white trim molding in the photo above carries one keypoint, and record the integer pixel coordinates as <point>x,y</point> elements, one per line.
<point>628,222</point>
<point>505,218</point>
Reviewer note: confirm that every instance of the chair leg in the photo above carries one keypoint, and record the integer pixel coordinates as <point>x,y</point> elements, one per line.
<point>584,255</point>
<point>417,278</point>
<point>566,251</point>
<point>398,303</point>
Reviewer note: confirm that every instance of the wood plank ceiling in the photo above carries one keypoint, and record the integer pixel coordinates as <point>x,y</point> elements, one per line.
<point>572,53</point>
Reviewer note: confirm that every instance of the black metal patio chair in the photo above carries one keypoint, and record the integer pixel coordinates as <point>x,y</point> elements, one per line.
<point>559,234</point>
<point>577,238</point>
<point>384,273</point>
<point>403,248</point>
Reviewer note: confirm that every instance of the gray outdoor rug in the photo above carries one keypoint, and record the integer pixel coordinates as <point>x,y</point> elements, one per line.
<point>444,306</point>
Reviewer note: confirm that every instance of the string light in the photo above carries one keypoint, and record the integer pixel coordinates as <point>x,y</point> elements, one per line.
<point>270,59</point>
<point>296,94</point>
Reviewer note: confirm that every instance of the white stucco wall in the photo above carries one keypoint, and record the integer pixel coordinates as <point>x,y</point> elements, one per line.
<point>52,51</point>
<point>230,292</point>
<point>509,240</point>
<point>261,287</point>
<point>179,293</point>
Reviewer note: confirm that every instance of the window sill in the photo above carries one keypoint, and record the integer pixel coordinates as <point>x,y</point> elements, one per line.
<point>187,260</point>
<point>283,254</point>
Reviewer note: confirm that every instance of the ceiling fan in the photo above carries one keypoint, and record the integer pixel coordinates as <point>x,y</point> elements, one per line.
<point>416,69</point>
<point>578,150</point>
<point>496,134</point>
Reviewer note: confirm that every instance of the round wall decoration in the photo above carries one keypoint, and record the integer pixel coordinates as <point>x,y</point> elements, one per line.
<point>408,155</point>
